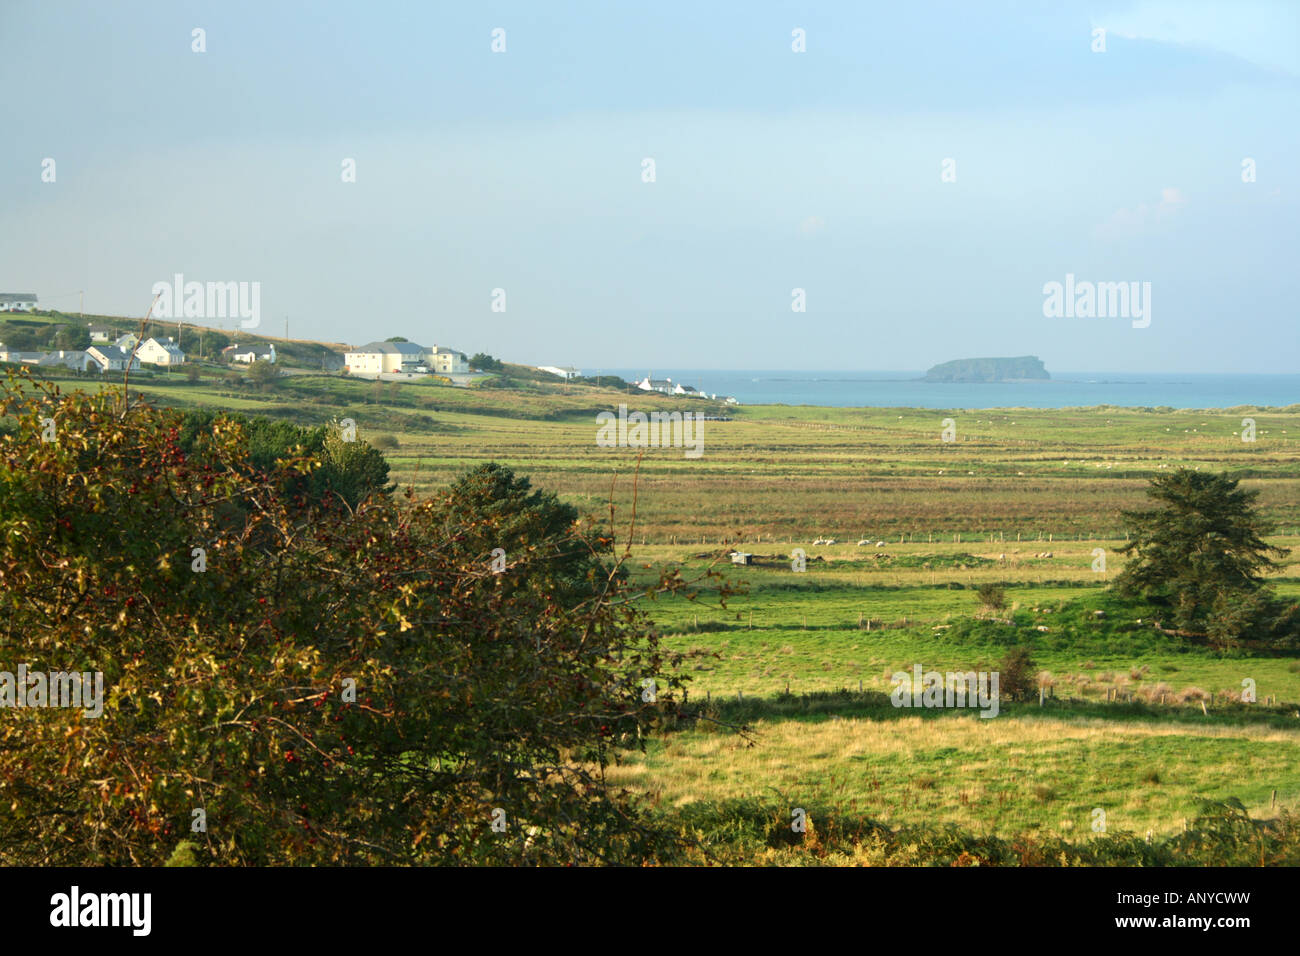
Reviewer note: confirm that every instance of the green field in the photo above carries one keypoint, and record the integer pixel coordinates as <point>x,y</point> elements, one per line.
<point>1022,498</point>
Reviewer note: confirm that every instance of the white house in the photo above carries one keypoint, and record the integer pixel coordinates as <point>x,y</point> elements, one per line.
<point>248,354</point>
<point>109,358</point>
<point>69,358</point>
<point>127,341</point>
<point>649,384</point>
<point>161,352</point>
<point>22,301</point>
<point>379,357</point>
<point>446,361</point>
<point>564,373</point>
<point>100,333</point>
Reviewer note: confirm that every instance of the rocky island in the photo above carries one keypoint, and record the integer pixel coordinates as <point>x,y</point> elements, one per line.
<point>1026,368</point>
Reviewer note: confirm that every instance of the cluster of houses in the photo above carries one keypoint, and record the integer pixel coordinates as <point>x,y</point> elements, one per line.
<point>106,355</point>
<point>382,358</point>
<point>111,352</point>
<point>668,387</point>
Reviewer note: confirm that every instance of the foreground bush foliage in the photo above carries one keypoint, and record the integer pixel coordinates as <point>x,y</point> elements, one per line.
<point>228,688</point>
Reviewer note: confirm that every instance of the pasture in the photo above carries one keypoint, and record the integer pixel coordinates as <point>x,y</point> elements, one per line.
<point>1138,722</point>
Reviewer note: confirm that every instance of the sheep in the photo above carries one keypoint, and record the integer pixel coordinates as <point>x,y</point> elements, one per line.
<point>865,542</point>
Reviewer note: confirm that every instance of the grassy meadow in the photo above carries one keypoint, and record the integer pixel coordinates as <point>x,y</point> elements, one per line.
<point>1138,722</point>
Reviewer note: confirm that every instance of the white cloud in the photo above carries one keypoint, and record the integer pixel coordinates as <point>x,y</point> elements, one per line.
<point>1124,223</point>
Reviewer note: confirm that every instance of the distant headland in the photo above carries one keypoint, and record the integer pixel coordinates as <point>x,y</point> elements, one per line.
<point>1026,368</point>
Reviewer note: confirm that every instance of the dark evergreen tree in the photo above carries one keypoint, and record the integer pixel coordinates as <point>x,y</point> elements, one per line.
<point>1201,553</point>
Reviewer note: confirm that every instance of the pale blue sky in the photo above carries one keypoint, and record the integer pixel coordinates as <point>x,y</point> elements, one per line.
<point>775,170</point>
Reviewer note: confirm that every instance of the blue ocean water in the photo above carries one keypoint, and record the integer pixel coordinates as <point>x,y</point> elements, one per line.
<point>899,389</point>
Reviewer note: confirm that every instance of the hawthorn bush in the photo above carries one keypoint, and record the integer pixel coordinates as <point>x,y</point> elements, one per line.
<point>478,696</point>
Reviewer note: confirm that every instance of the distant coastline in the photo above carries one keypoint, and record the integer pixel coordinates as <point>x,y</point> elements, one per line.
<point>1068,389</point>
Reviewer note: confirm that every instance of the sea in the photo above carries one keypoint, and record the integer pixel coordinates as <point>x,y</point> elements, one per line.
<point>903,390</point>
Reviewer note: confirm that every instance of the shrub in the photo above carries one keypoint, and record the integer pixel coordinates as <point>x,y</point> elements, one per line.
<point>384,441</point>
<point>992,596</point>
<point>1017,673</point>
<point>335,686</point>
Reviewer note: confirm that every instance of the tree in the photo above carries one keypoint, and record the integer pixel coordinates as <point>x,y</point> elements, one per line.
<point>397,338</point>
<point>350,471</point>
<point>72,338</point>
<point>1203,548</point>
<point>332,687</point>
<point>193,373</point>
<point>485,363</point>
<point>263,373</point>
<point>19,340</point>
<point>492,507</point>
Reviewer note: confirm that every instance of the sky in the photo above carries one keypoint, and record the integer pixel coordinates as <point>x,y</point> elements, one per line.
<point>773,171</point>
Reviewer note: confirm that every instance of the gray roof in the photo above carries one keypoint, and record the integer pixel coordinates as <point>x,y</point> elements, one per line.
<point>111,353</point>
<point>394,348</point>
<point>168,346</point>
<point>17,297</point>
